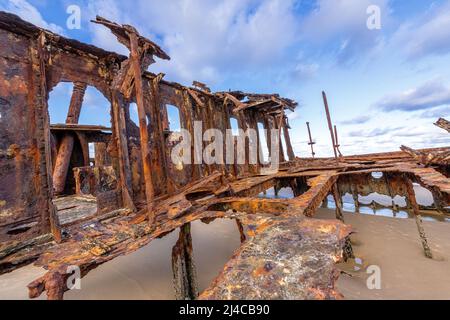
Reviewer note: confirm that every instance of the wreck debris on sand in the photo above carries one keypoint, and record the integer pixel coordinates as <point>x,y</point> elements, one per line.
<point>60,208</point>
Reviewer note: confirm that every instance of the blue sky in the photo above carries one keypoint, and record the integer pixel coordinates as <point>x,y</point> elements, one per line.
<point>385,87</point>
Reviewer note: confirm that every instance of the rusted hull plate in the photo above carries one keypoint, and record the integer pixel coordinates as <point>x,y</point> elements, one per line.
<point>287,258</point>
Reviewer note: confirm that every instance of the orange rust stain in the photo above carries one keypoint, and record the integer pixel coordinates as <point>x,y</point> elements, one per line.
<point>318,294</point>
<point>326,228</point>
<point>263,270</point>
<point>263,226</point>
<point>15,85</point>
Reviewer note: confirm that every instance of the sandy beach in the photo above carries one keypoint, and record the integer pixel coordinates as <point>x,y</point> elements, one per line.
<point>390,243</point>
<point>394,246</point>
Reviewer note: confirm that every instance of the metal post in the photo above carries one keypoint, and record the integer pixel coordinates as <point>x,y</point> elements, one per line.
<point>418,218</point>
<point>311,143</point>
<point>145,147</point>
<point>348,249</point>
<point>330,125</point>
<point>337,141</point>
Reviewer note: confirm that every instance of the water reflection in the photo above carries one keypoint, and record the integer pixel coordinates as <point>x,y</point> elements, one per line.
<point>147,273</point>
<point>284,193</point>
<point>372,204</point>
<point>365,207</point>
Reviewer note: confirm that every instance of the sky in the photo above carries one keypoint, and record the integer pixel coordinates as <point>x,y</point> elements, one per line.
<point>385,86</point>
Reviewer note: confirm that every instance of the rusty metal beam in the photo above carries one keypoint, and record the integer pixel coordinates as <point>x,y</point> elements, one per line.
<point>64,154</point>
<point>48,210</point>
<point>337,141</point>
<point>330,125</point>
<point>347,248</point>
<point>119,126</point>
<point>73,115</point>
<point>444,124</point>
<point>135,57</point>
<point>311,142</point>
<point>416,211</point>
<point>258,270</point>
<point>287,139</point>
<point>183,267</point>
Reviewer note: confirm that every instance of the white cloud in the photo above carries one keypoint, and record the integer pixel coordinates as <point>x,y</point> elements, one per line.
<point>293,115</point>
<point>343,23</point>
<point>101,36</point>
<point>428,95</point>
<point>304,71</point>
<point>28,12</point>
<point>425,35</point>
<point>437,112</point>
<point>391,138</point>
<point>357,120</point>
<point>206,39</point>
<point>371,133</point>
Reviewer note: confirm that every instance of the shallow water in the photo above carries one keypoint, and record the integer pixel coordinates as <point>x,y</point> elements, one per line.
<point>147,273</point>
<point>423,197</point>
<point>284,193</point>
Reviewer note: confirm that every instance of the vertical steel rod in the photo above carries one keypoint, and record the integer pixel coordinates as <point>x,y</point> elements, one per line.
<point>330,125</point>
<point>311,143</point>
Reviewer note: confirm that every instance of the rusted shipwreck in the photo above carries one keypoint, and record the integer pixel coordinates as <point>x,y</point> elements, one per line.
<point>48,181</point>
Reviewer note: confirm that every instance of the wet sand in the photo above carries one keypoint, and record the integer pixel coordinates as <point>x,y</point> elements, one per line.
<point>392,244</point>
